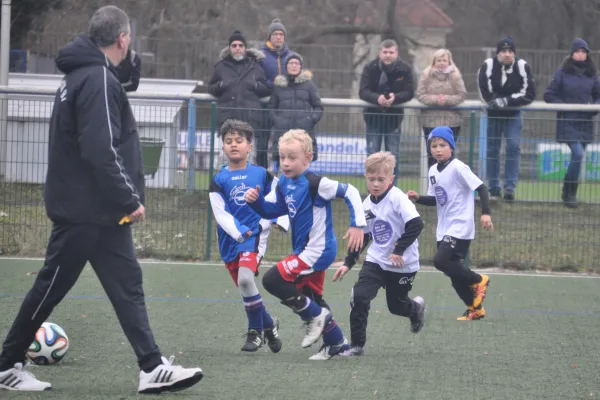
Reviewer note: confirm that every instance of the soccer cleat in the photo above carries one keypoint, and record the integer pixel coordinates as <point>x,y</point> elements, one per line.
<point>17,379</point>
<point>480,290</point>
<point>272,337</point>
<point>353,351</point>
<point>314,328</point>
<point>254,341</point>
<point>327,352</point>
<point>418,321</point>
<point>168,378</point>
<point>472,314</point>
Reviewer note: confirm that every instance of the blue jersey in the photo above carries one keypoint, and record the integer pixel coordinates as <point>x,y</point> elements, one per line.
<point>307,201</point>
<point>234,217</point>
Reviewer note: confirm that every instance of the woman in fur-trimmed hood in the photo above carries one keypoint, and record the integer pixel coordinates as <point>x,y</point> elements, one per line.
<point>295,102</point>
<point>575,82</point>
<point>239,82</point>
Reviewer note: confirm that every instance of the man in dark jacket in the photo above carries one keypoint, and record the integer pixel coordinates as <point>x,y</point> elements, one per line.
<point>94,179</point>
<point>239,83</point>
<point>129,71</point>
<point>505,81</point>
<point>385,81</point>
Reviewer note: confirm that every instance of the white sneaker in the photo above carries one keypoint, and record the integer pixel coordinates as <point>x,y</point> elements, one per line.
<point>314,328</point>
<point>168,378</point>
<point>326,352</point>
<point>18,379</point>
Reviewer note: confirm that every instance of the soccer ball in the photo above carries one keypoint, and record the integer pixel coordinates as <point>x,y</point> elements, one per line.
<point>49,346</point>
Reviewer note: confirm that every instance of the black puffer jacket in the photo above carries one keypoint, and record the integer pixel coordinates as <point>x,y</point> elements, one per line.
<point>239,86</point>
<point>295,103</point>
<point>95,170</point>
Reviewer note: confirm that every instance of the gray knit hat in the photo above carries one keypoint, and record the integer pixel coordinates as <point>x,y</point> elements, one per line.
<point>276,25</point>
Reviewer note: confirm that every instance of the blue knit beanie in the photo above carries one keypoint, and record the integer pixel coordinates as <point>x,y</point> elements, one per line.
<point>445,133</point>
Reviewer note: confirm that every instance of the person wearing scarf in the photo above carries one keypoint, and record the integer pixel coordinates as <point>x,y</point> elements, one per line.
<point>575,82</point>
<point>505,81</point>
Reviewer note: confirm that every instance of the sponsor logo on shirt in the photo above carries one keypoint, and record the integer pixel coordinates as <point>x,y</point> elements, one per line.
<point>441,195</point>
<point>237,178</point>
<point>289,200</point>
<point>237,194</point>
<point>382,232</point>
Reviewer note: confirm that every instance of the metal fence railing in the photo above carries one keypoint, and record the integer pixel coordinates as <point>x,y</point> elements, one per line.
<point>534,231</point>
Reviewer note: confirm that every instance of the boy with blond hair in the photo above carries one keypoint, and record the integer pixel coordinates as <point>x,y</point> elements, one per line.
<point>306,198</point>
<point>392,261</point>
<point>451,186</point>
<point>242,233</point>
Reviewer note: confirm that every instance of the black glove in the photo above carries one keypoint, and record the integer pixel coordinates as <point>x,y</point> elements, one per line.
<point>499,102</point>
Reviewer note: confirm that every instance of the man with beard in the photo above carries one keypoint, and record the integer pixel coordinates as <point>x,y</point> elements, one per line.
<point>385,81</point>
<point>238,82</point>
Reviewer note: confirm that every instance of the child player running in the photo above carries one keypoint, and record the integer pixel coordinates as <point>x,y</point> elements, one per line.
<point>241,231</point>
<point>392,261</point>
<point>451,186</point>
<point>306,198</point>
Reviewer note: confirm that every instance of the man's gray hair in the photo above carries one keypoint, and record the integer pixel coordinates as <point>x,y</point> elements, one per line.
<point>387,43</point>
<point>107,24</point>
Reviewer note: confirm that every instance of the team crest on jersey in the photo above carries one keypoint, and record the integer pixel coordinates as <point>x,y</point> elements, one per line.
<point>369,215</point>
<point>382,232</point>
<point>289,200</point>
<point>237,194</point>
<point>432,180</point>
<point>441,195</point>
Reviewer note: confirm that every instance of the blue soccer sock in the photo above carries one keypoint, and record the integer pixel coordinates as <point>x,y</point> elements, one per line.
<point>254,309</point>
<point>310,310</point>
<point>332,333</point>
<point>267,319</point>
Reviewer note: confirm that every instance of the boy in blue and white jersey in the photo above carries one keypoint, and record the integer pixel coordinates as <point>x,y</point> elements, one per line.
<point>306,198</point>
<point>241,231</point>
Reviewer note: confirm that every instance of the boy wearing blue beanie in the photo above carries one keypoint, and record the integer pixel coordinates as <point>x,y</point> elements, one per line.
<point>451,186</point>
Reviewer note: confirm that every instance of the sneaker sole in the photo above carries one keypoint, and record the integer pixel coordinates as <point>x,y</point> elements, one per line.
<point>11,389</point>
<point>177,386</point>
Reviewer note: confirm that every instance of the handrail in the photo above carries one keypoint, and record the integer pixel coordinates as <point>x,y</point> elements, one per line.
<point>473,105</point>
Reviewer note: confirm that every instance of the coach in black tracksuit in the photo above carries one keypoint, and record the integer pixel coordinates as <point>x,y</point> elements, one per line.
<point>94,179</point>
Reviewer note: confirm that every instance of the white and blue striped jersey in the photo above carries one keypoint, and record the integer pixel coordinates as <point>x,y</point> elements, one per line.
<point>234,217</point>
<point>307,201</point>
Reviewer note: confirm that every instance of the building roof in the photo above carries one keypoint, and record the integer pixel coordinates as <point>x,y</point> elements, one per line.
<point>409,13</point>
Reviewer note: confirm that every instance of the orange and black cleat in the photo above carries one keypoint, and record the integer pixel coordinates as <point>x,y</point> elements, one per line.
<point>479,290</point>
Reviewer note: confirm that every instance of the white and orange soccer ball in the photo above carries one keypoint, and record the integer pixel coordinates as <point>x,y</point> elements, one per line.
<point>49,346</point>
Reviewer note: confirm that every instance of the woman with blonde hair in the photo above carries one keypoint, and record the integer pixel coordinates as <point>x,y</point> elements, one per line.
<point>441,84</point>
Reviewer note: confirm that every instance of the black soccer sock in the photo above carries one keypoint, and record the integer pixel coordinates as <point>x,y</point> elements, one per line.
<point>464,291</point>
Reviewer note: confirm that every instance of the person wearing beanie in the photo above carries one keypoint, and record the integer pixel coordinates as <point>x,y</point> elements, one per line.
<point>275,51</point>
<point>238,82</point>
<point>505,81</point>
<point>294,104</point>
<point>451,186</point>
<point>575,82</point>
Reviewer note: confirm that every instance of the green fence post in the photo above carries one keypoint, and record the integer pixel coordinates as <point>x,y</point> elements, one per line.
<point>211,172</point>
<point>471,159</point>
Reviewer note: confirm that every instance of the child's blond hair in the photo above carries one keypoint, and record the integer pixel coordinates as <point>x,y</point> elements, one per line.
<point>301,136</point>
<point>382,160</point>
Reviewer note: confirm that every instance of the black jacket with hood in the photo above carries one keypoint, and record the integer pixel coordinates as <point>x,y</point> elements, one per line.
<point>95,171</point>
<point>239,86</point>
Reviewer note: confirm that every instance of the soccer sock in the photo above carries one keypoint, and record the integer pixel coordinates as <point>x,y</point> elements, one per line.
<point>332,333</point>
<point>464,291</point>
<point>267,319</point>
<point>254,310</point>
<point>310,310</point>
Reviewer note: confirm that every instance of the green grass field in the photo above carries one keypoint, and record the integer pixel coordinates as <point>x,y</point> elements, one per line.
<point>538,341</point>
